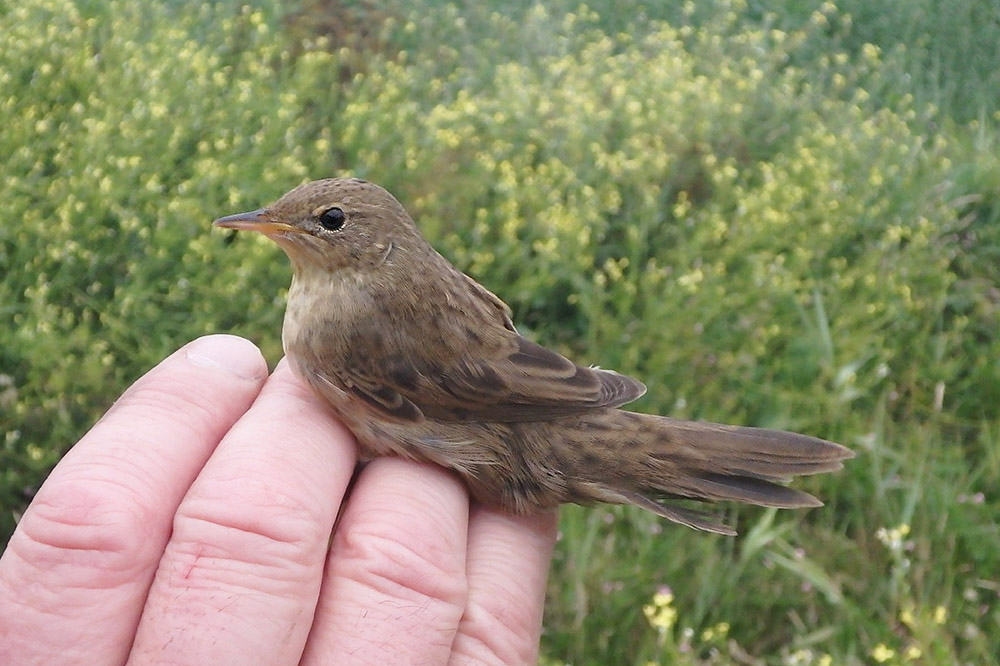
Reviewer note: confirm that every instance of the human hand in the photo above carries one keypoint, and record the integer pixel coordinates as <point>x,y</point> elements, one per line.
<point>192,525</point>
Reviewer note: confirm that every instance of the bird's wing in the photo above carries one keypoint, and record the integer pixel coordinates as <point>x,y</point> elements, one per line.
<point>529,383</point>
<point>434,365</point>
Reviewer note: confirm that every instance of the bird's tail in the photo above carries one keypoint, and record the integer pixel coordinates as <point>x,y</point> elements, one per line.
<point>651,459</point>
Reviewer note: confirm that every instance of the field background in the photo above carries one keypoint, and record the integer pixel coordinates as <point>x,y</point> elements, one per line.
<point>782,213</point>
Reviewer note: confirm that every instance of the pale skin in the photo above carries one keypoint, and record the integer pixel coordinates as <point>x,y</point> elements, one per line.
<point>192,525</point>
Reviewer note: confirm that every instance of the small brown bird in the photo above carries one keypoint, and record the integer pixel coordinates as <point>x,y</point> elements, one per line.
<point>419,360</point>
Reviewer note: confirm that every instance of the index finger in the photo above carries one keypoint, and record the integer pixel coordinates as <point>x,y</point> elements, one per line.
<point>74,577</point>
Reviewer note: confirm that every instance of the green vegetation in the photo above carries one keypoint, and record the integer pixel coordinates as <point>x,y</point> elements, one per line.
<point>784,214</point>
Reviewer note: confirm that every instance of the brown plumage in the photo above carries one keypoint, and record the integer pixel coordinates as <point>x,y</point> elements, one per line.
<point>419,360</point>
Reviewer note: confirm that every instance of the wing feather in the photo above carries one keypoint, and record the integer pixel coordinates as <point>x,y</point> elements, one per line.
<point>532,383</point>
<point>463,361</point>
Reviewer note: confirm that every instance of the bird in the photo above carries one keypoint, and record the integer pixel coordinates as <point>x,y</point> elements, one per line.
<point>419,360</point>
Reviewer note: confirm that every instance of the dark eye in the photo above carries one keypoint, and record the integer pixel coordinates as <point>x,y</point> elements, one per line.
<point>332,219</point>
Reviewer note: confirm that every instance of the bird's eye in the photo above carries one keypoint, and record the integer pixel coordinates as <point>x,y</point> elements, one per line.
<point>332,219</point>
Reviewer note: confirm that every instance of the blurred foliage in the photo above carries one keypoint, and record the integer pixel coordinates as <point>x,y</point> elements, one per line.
<point>757,208</point>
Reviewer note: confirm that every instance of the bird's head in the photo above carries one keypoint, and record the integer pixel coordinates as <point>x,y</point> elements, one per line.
<point>333,224</point>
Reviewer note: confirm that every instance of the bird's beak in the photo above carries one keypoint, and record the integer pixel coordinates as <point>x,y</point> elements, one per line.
<point>255,220</point>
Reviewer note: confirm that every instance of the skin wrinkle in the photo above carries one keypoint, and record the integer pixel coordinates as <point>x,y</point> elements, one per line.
<point>397,585</point>
<point>200,517</point>
<point>163,403</point>
<point>390,567</point>
<point>248,543</point>
<point>111,469</point>
<point>83,517</point>
<point>494,627</point>
<point>244,505</point>
<point>407,555</point>
<point>230,583</point>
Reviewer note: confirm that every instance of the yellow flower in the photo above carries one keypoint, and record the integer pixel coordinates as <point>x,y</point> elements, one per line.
<point>660,614</point>
<point>893,537</point>
<point>883,653</point>
<point>940,615</point>
<point>721,630</point>
<point>660,618</point>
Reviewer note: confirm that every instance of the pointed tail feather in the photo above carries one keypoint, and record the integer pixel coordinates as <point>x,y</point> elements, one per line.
<point>698,520</point>
<point>757,452</point>
<point>654,459</point>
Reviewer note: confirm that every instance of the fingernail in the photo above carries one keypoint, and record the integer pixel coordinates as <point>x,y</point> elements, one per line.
<point>231,353</point>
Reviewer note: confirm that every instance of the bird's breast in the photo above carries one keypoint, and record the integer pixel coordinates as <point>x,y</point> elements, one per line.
<point>320,314</point>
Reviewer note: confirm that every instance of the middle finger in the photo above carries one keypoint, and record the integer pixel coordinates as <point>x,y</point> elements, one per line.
<point>239,579</point>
